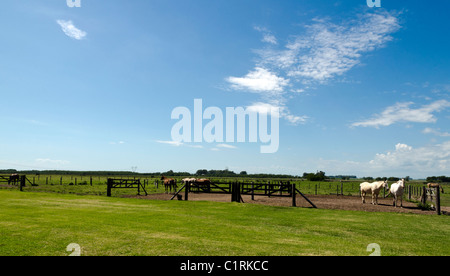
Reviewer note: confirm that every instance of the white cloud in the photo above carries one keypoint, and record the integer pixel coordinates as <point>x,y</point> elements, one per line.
<point>259,80</point>
<point>70,30</point>
<point>294,119</point>
<point>261,108</point>
<point>47,161</point>
<point>179,144</point>
<point>403,160</point>
<point>117,143</point>
<point>268,37</point>
<point>437,132</point>
<point>226,146</point>
<point>328,50</point>
<point>325,50</point>
<point>283,111</point>
<point>430,159</point>
<point>401,112</point>
<point>172,143</point>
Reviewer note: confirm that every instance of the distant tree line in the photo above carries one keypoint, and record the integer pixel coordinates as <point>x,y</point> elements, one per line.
<point>392,178</point>
<point>438,179</point>
<point>228,173</point>
<point>199,173</point>
<point>318,176</point>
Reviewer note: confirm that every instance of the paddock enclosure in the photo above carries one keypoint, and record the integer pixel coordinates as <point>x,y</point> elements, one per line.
<point>342,195</point>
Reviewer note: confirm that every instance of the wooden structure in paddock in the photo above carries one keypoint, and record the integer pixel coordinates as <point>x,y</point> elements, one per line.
<point>237,189</point>
<point>15,180</point>
<point>433,195</point>
<point>124,184</point>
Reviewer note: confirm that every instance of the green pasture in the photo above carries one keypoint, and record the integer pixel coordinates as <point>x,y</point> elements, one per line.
<point>41,224</point>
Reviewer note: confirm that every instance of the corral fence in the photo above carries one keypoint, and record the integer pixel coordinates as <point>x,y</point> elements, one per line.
<point>237,189</point>
<point>124,184</point>
<point>15,180</point>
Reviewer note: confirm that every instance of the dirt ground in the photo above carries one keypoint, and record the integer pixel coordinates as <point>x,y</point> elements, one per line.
<point>321,201</point>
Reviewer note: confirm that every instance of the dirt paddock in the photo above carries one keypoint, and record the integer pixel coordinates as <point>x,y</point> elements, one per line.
<point>321,201</point>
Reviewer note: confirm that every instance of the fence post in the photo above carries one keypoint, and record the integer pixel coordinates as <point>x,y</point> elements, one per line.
<point>109,186</point>
<point>253,192</point>
<point>186,191</point>
<point>409,193</point>
<point>22,182</point>
<point>294,196</point>
<point>236,192</point>
<point>424,195</point>
<point>438,201</point>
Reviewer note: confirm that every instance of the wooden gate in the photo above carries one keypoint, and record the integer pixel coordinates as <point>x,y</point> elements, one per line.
<point>124,184</point>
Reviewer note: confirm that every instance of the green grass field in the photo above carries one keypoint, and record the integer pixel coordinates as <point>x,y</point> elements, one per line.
<point>45,223</point>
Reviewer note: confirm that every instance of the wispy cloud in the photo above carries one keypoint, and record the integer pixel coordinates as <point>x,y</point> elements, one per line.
<point>329,50</point>
<point>402,112</point>
<point>268,37</point>
<point>172,143</point>
<point>117,143</point>
<point>70,30</point>
<point>437,132</point>
<point>325,51</point>
<point>226,146</point>
<point>283,111</point>
<point>47,161</point>
<point>179,144</point>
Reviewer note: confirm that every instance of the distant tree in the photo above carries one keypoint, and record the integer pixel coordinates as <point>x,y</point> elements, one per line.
<point>170,172</point>
<point>438,179</point>
<point>243,173</point>
<point>201,172</point>
<point>319,176</point>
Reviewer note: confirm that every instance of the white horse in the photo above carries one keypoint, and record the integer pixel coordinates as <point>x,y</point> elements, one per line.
<point>397,191</point>
<point>372,188</point>
<point>189,180</point>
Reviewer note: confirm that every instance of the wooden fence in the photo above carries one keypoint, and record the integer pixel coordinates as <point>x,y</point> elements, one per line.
<point>237,189</point>
<point>124,184</point>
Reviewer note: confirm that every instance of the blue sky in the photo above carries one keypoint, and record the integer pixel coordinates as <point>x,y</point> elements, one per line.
<point>362,91</point>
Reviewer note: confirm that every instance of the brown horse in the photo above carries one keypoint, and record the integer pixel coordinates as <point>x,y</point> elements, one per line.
<point>435,185</point>
<point>14,178</point>
<point>204,183</point>
<point>169,184</point>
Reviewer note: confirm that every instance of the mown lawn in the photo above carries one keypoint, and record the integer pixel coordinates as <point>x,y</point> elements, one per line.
<point>44,224</point>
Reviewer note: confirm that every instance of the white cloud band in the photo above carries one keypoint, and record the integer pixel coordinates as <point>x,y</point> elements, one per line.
<point>70,30</point>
